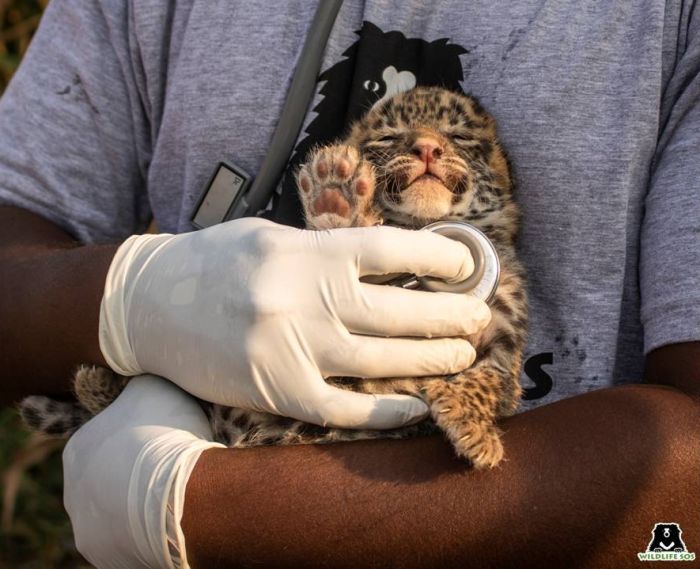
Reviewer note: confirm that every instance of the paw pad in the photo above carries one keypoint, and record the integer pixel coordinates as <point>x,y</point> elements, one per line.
<point>305,183</point>
<point>362,187</point>
<point>331,201</point>
<point>336,188</point>
<point>343,168</point>
<point>322,169</point>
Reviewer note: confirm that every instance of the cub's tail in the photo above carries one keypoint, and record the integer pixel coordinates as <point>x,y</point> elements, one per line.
<point>94,387</point>
<point>52,417</point>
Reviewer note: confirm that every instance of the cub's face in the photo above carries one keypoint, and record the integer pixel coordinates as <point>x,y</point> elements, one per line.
<point>432,150</point>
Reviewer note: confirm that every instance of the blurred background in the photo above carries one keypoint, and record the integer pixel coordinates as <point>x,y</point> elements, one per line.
<point>34,528</point>
<point>18,20</point>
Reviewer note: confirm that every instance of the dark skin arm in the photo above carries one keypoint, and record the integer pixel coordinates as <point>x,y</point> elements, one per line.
<point>677,365</point>
<point>50,294</point>
<point>584,481</point>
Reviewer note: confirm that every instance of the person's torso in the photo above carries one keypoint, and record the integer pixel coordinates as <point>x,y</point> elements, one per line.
<point>574,86</point>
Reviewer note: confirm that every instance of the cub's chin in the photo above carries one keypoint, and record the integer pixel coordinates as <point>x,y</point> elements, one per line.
<point>426,199</point>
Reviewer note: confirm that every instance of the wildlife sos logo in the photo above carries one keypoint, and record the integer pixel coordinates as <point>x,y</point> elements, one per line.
<point>666,544</point>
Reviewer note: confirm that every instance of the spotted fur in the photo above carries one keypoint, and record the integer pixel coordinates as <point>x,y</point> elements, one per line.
<point>424,155</point>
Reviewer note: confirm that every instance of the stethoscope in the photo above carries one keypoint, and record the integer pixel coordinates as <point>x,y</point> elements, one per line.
<point>483,281</point>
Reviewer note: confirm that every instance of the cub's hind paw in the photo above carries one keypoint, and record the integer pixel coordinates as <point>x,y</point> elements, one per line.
<point>96,387</point>
<point>336,188</point>
<point>477,441</point>
<point>466,420</point>
<point>481,445</point>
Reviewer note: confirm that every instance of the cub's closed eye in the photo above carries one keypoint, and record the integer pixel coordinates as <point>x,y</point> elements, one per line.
<point>388,138</point>
<point>464,140</point>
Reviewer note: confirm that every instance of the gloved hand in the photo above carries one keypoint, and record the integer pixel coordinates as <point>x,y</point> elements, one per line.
<point>125,474</point>
<point>253,314</point>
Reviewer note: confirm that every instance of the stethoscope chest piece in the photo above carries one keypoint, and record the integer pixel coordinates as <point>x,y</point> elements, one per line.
<point>482,283</point>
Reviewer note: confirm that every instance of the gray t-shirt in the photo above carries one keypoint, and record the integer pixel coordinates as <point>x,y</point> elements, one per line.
<point>121,110</point>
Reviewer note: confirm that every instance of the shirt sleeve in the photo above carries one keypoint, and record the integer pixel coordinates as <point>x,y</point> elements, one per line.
<point>74,136</point>
<point>670,234</point>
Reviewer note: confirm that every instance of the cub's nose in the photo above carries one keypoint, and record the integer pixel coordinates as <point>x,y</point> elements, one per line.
<point>426,149</point>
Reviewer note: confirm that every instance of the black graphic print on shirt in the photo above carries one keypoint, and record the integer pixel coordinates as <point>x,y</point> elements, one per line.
<point>378,65</point>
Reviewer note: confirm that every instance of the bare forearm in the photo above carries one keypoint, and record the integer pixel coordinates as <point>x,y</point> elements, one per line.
<point>50,295</point>
<point>584,482</point>
<point>677,365</point>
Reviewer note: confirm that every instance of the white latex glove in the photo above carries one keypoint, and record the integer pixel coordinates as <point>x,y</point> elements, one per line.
<point>125,474</point>
<point>253,314</point>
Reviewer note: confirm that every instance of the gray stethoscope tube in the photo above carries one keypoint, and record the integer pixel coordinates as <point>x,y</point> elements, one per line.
<point>230,193</point>
<point>482,283</point>
<point>300,95</point>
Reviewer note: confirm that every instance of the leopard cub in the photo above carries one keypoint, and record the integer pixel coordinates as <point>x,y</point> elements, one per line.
<point>424,155</point>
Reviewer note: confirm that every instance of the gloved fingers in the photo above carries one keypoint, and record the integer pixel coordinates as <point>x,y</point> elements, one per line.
<point>349,410</point>
<point>387,250</point>
<point>371,357</point>
<point>393,311</point>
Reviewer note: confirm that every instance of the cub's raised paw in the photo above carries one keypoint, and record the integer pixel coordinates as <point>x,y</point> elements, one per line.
<point>336,188</point>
